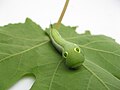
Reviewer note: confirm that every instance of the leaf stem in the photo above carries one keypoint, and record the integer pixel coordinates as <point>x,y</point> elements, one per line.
<point>62,14</point>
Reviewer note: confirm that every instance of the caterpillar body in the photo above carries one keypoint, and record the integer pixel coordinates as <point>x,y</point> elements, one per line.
<point>71,52</point>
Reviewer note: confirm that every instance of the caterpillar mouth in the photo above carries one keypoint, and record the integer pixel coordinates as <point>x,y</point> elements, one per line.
<point>76,66</point>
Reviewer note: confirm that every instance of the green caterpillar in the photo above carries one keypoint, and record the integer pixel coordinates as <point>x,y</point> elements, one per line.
<point>71,52</point>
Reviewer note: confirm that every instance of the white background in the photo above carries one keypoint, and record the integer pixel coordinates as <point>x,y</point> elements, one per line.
<point>98,16</point>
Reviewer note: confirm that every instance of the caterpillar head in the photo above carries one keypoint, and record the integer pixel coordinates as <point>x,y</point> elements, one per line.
<point>73,55</point>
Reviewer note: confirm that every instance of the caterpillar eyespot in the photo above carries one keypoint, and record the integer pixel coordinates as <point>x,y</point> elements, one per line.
<point>65,54</point>
<point>77,50</point>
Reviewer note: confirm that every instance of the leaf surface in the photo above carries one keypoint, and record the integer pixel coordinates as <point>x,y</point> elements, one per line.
<point>25,48</point>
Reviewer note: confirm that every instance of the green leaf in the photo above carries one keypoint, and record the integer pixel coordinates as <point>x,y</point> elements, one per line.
<point>26,49</point>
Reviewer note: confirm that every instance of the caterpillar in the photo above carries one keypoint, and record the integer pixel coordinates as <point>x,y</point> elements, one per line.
<point>71,52</point>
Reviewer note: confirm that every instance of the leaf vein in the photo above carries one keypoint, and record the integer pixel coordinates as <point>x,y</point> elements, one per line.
<point>23,51</point>
<point>108,61</point>
<point>102,82</point>
<point>50,86</point>
<point>18,37</point>
<point>14,45</point>
<point>100,50</point>
<point>89,82</point>
<point>97,41</point>
<point>112,85</point>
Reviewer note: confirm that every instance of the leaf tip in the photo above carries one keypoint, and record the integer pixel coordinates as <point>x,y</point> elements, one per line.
<point>28,20</point>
